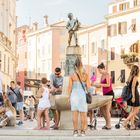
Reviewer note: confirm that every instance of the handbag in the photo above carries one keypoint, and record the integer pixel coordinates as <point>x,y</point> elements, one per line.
<point>127,92</point>
<point>88,94</point>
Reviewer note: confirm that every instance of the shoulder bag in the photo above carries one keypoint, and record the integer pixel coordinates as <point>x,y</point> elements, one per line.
<point>88,94</point>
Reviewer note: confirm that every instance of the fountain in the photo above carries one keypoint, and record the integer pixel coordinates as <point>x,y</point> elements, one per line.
<point>61,101</point>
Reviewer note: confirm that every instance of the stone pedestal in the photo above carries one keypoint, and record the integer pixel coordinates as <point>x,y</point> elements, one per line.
<point>72,52</point>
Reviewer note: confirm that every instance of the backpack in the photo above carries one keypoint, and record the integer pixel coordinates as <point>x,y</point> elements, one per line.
<point>127,91</point>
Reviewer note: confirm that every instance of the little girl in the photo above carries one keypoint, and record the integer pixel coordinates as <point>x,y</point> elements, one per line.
<point>44,105</point>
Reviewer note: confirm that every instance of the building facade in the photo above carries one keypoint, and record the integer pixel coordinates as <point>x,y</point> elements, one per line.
<point>46,50</point>
<point>7,41</point>
<point>93,43</point>
<point>21,43</point>
<point>123,31</point>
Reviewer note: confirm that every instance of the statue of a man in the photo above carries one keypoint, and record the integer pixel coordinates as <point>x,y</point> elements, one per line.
<point>72,26</point>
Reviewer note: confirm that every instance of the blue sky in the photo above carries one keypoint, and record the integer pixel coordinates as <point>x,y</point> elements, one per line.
<point>87,11</point>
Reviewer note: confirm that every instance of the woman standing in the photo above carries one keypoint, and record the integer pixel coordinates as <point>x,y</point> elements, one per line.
<point>77,97</point>
<point>134,101</point>
<point>106,85</point>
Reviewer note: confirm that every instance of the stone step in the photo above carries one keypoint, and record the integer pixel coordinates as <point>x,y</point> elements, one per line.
<point>69,138</point>
<point>119,132</point>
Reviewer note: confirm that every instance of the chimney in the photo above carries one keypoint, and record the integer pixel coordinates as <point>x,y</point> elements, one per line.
<point>35,26</point>
<point>46,20</point>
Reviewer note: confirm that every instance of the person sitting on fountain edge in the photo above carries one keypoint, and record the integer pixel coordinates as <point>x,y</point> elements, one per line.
<point>56,83</point>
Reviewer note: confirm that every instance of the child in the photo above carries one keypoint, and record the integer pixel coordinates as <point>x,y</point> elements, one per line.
<point>44,105</point>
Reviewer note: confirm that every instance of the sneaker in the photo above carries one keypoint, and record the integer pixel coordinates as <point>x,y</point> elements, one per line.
<point>83,133</point>
<point>52,126</point>
<point>75,133</point>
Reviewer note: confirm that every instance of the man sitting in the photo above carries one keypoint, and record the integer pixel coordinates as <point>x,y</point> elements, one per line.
<point>56,81</point>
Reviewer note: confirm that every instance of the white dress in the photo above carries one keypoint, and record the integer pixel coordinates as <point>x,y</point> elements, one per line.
<point>44,102</point>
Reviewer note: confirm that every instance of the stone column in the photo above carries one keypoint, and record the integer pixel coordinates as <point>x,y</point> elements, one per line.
<point>72,52</point>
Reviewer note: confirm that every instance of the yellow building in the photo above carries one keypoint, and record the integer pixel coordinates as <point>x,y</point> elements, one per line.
<point>7,41</point>
<point>123,23</point>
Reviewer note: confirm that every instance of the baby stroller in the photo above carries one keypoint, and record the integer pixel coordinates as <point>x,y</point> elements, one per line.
<point>124,112</point>
<point>93,124</point>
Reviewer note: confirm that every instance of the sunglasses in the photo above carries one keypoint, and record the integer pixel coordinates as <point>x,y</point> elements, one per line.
<point>57,74</point>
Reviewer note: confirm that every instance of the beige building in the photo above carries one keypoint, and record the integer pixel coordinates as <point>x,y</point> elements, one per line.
<point>21,43</point>
<point>46,49</point>
<point>7,41</point>
<point>123,22</point>
<point>93,43</point>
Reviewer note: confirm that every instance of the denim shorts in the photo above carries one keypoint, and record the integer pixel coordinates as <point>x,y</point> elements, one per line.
<point>19,106</point>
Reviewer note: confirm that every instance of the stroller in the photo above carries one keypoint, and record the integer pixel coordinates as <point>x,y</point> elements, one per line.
<point>93,124</point>
<point>124,112</point>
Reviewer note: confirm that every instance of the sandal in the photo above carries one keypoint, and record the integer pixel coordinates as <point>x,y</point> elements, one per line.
<point>105,127</point>
<point>133,128</point>
<point>125,126</point>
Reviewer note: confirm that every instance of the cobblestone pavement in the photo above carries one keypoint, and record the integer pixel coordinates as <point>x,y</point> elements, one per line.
<point>26,132</point>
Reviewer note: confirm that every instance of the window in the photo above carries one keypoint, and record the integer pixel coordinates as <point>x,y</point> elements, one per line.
<point>133,26</point>
<point>112,30</point>
<point>8,68</point>
<point>112,53</point>
<point>136,3</point>
<point>4,62</point>
<point>124,6</point>
<point>122,27</point>
<point>134,48</point>
<point>93,49</point>
<point>122,51</point>
<point>25,72</point>
<point>113,76</point>
<point>122,76</point>
<point>84,50</point>
<point>114,9</point>
<point>103,44</point>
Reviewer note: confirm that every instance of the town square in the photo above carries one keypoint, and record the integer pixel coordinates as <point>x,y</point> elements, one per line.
<point>69,69</point>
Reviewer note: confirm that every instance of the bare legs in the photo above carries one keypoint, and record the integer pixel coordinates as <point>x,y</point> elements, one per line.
<point>39,119</point>
<point>32,115</point>
<point>21,114</point>
<point>72,33</point>
<point>106,113</point>
<point>83,116</point>
<point>131,117</point>
<point>56,118</point>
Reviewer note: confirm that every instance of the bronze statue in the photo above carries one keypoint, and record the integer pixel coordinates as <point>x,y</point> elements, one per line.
<point>72,26</point>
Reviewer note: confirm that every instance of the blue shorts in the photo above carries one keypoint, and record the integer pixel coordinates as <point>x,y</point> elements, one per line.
<point>19,106</point>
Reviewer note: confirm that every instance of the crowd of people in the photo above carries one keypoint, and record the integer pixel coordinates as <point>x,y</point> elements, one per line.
<point>13,100</point>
